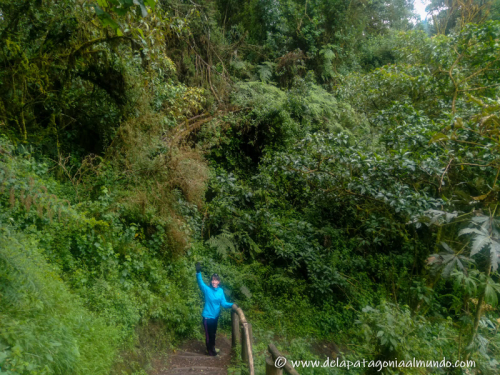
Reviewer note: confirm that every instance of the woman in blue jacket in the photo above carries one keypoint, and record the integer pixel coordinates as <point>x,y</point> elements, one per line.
<point>214,299</point>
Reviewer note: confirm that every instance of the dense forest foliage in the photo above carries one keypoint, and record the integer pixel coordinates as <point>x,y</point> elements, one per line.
<point>336,162</point>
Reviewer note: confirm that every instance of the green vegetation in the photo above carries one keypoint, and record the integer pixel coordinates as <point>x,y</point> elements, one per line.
<point>337,163</point>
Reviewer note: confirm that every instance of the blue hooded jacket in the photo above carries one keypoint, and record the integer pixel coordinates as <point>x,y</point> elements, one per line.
<point>214,298</point>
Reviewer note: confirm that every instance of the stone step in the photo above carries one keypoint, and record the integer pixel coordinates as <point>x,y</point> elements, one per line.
<point>188,354</point>
<point>191,358</point>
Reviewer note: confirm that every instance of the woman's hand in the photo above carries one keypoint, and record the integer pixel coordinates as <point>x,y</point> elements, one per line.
<point>198,267</point>
<point>234,307</point>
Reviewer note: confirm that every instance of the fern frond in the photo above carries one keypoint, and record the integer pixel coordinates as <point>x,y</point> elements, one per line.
<point>222,243</point>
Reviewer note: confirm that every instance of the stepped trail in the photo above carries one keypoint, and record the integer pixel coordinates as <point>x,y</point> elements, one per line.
<point>190,358</point>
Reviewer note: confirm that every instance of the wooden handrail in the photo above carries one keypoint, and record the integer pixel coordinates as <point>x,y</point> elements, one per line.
<point>275,354</point>
<point>245,336</point>
<point>237,318</point>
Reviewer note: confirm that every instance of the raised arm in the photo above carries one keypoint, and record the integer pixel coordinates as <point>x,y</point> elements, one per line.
<point>201,284</point>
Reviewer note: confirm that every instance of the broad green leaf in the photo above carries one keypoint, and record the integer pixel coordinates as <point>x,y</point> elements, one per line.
<point>470,285</point>
<point>447,248</point>
<point>151,3</point>
<point>469,231</point>
<point>480,219</point>
<point>490,295</point>
<point>139,30</point>
<point>144,11</point>
<point>108,21</point>
<point>98,11</point>
<point>494,254</point>
<point>478,243</point>
<point>106,18</point>
<point>449,267</point>
<point>460,265</point>
<point>102,3</point>
<point>122,11</point>
<point>480,198</point>
<point>438,137</point>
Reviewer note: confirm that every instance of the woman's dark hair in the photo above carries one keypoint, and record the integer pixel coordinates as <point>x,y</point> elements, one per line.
<point>216,277</point>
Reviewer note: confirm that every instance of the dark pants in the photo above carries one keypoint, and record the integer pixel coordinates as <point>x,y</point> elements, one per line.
<point>210,326</point>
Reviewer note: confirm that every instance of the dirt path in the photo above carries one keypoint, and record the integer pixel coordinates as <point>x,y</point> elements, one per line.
<point>190,358</point>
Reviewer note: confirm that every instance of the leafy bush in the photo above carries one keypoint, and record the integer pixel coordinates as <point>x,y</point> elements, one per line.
<point>390,332</point>
<point>45,327</point>
<point>93,271</point>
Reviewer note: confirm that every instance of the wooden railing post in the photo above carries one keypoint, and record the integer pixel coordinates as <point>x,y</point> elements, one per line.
<point>246,344</point>
<point>250,335</point>
<point>246,339</point>
<point>244,350</point>
<point>235,331</point>
<point>271,369</point>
